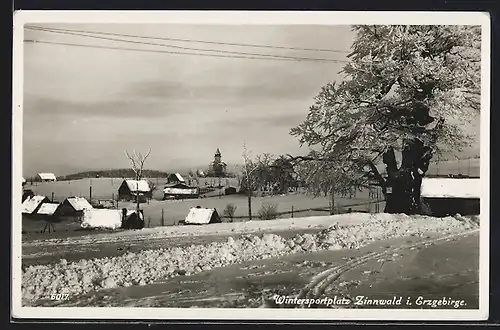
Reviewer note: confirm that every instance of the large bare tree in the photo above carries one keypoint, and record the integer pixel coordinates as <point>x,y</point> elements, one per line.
<point>137,161</point>
<point>250,180</point>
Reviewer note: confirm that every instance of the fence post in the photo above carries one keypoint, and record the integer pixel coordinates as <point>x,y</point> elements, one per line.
<point>162,219</point>
<point>292,211</point>
<point>90,194</point>
<point>52,196</point>
<point>149,221</point>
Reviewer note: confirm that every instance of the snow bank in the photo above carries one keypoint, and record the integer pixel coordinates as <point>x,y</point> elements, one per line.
<point>154,265</point>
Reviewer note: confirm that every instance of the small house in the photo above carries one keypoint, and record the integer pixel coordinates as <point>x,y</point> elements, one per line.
<point>179,191</point>
<point>130,219</point>
<point>48,212</point>
<point>23,181</point>
<point>32,204</point>
<point>73,206</point>
<point>101,218</point>
<point>130,190</point>
<point>47,177</point>
<point>202,216</point>
<point>175,178</point>
<point>230,191</point>
<point>47,209</point>
<point>451,196</point>
<point>27,193</point>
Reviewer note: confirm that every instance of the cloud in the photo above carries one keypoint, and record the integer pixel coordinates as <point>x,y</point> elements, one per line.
<point>35,105</point>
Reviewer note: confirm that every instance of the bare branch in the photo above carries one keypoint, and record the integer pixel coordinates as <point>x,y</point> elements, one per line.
<point>137,161</point>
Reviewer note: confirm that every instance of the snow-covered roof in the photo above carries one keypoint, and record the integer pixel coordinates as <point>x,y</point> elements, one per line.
<point>450,188</point>
<point>47,176</point>
<point>79,203</point>
<point>178,177</point>
<point>23,180</point>
<point>31,203</point>
<point>199,216</point>
<point>142,184</point>
<point>102,218</point>
<point>180,190</point>
<point>132,212</point>
<point>48,208</point>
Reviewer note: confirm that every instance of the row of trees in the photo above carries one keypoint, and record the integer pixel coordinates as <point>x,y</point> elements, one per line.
<point>268,173</point>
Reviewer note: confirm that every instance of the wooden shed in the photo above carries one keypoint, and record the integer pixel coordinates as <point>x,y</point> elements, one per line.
<point>451,196</point>
<point>180,191</point>
<point>130,190</point>
<point>202,216</point>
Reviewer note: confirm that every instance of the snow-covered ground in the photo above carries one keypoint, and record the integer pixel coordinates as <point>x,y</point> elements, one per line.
<point>341,232</point>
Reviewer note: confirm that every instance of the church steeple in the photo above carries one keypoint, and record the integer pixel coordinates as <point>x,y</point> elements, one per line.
<point>217,156</point>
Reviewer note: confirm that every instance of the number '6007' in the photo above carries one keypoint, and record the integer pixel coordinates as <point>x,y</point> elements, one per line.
<point>59,296</point>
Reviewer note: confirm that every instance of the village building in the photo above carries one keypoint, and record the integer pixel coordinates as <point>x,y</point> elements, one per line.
<point>202,216</point>
<point>27,193</point>
<point>47,177</point>
<point>180,191</point>
<point>101,218</point>
<point>451,196</point>
<point>48,209</point>
<point>31,205</point>
<point>73,207</point>
<point>130,219</point>
<point>175,178</point>
<point>230,190</point>
<point>48,213</point>
<point>217,168</point>
<point>130,190</point>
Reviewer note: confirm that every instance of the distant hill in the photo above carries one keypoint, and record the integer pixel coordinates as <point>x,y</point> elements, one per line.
<point>113,173</point>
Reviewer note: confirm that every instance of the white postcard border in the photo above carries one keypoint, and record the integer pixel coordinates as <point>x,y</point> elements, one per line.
<point>247,17</point>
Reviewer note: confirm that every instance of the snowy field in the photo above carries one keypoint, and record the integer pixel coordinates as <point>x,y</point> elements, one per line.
<point>340,232</point>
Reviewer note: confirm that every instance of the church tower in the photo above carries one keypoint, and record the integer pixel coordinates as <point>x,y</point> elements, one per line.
<point>217,157</point>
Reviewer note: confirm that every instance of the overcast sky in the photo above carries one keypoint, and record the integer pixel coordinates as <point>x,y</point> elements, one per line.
<point>83,107</point>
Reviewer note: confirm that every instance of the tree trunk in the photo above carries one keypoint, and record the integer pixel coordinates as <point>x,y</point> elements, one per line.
<point>249,204</point>
<point>404,183</point>
<point>332,200</point>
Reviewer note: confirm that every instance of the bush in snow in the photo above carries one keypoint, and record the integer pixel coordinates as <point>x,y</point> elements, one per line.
<point>229,211</point>
<point>268,211</point>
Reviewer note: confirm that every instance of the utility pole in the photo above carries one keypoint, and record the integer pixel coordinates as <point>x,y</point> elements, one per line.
<point>137,199</point>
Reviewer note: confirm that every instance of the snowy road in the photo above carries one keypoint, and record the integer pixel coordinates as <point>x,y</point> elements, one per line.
<point>150,266</point>
<point>381,270</point>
